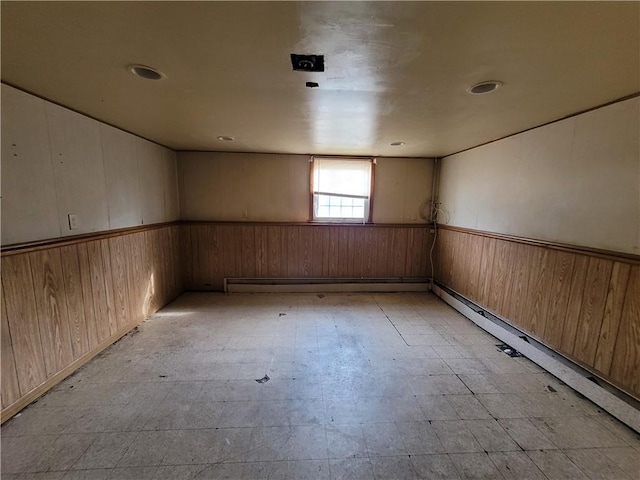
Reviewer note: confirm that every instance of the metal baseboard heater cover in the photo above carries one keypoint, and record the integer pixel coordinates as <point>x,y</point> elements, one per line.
<point>620,406</point>
<point>325,285</point>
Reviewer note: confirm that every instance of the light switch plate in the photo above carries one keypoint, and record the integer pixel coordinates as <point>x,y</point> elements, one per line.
<point>73,221</point>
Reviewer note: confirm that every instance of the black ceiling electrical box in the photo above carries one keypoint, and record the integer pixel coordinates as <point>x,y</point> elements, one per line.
<point>307,63</point>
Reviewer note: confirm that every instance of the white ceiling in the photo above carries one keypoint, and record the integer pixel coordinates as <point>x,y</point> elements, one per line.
<point>395,71</point>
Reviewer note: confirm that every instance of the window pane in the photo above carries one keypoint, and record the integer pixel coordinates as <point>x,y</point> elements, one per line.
<point>346,179</point>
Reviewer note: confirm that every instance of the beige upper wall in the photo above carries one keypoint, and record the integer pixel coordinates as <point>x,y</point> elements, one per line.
<point>275,188</point>
<point>576,181</point>
<point>56,162</point>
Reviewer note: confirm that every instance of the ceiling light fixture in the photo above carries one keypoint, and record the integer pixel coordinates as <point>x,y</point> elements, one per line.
<point>484,87</point>
<point>148,73</point>
<point>396,144</point>
<point>224,138</point>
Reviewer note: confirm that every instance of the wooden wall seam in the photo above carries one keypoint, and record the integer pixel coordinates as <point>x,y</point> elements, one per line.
<point>585,305</point>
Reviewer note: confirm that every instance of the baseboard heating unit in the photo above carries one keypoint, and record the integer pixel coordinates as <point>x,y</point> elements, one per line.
<point>325,285</point>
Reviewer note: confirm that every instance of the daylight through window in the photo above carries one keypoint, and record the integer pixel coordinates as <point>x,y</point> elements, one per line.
<point>341,189</point>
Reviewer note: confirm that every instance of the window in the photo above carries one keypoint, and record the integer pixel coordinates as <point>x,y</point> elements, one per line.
<point>341,189</point>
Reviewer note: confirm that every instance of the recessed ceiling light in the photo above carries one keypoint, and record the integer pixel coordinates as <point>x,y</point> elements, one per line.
<point>224,138</point>
<point>484,87</point>
<point>148,73</point>
<point>396,144</point>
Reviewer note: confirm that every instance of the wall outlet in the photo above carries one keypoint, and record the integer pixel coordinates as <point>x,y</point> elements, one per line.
<point>74,221</point>
<point>245,214</point>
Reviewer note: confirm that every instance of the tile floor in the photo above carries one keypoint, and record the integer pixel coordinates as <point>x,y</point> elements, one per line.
<point>361,386</point>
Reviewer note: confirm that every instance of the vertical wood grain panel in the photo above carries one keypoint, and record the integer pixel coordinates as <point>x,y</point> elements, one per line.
<point>385,255</point>
<point>351,244</point>
<point>101,300</point>
<point>559,291</point>
<point>292,252</point>
<point>305,252</point>
<point>276,257</point>
<point>198,259</point>
<point>358,250</point>
<point>399,252</point>
<point>119,276</point>
<point>459,249</point>
<point>343,252</point>
<point>369,254</point>
<point>10,387</point>
<point>499,275</point>
<point>188,257</point>
<point>473,262</point>
<point>625,367</point>
<point>318,253</point>
<point>592,311</point>
<point>425,267</point>
<point>334,252</point>
<point>216,254</point>
<point>106,272</point>
<point>22,317</point>
<point>51,305</point>
<point>572,318</point>
<point>413,257</point>
<point>486,269</point>
<point>517,301</point>
<point>75,300</point>
<point>535,312</point>
<point>247,255</point>
<point>88,301</point>
<point>611,319</point>
<point>261,252</point>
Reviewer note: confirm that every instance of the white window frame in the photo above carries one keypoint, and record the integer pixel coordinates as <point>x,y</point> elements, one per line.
<point>313,195</point>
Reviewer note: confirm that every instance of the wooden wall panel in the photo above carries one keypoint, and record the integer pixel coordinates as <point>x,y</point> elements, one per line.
<point>578,282</point>
<point>88,301</point>
<point>611,319</point>
<point>625,367</point>
<point>61,305</point>
<point>559,290</point>
<point>487,258</point>
<point>536,308</point>
<point>592,311</point>
<point>75,301</point>
<point>10,388</point>
<point>51,306</point>
<point>302,251</point>
<point>22,316</point>
<point>585,305</point>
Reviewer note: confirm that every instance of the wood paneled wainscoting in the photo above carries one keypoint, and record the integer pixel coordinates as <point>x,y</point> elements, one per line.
<point>215,251</point>
<point>65,301</point>
<point>582,303</point>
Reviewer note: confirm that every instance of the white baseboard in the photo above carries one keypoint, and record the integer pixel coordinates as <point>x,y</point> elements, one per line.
<point>598,395</point>
<point>325,287</point>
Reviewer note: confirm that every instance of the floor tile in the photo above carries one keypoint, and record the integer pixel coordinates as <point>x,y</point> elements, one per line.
<point>383,439</point>
<point>516,465</point>
<point>395,467</point>
<point>555,464</point>
<point>455,436</point>
<point>434,467</point>
<point>351,469</point>
<point>475,466</point>
<point>595,464</point>
<point>491,436</point>
<point>346,398</point>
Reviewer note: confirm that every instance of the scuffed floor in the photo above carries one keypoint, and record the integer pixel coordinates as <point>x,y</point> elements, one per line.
<point>360,386</point>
